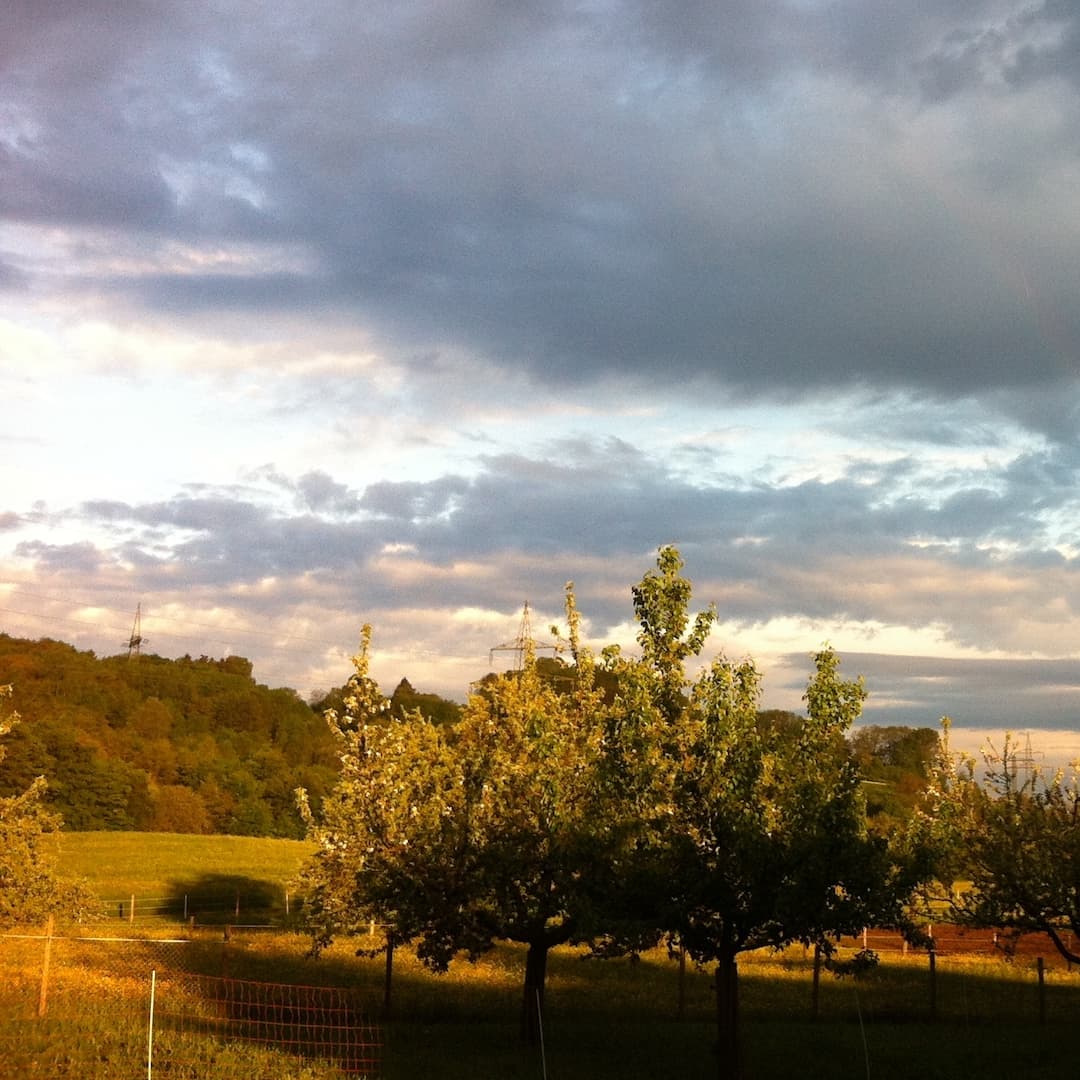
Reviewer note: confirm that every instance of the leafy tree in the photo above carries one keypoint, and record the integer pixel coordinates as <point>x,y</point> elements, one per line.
<point>405,699</point>
<point>1013,837</point>
<point>387,831</point>
<point>29,887</point>
<point>895,764</point>
<point>753,833</point>
<point>461,837</point>
<point>178,809</point>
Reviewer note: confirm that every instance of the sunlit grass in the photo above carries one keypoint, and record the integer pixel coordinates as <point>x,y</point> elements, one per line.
<point>118,864</point>
<point>634,1021</point>
<point>602,1018</point>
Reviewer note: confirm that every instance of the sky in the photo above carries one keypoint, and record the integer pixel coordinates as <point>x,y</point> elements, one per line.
<point>407,313</point>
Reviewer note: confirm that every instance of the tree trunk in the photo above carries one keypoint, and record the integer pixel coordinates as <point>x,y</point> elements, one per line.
<point>728,1044</point>
<point>532,1001</point>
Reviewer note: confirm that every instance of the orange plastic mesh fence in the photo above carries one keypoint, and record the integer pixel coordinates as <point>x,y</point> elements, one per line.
<point>306,1022</point>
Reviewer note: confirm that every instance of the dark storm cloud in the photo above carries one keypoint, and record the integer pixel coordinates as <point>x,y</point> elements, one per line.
<point>579,190</point>
<point>972,692</point>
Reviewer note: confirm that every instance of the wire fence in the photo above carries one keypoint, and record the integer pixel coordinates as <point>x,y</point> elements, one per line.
<point>952,940</point>
<point>214,908</point>
<point>110,1007</point>
<point>306,1023</point>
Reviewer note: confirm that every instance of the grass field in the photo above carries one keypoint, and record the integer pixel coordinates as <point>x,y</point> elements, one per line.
<point>117,864</point>
<point>602,1018</point>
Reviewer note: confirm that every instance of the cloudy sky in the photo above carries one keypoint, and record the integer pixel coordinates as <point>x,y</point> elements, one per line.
<point>407,312</point>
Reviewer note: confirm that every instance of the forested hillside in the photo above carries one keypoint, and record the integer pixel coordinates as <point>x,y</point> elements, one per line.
<point>188,745</point>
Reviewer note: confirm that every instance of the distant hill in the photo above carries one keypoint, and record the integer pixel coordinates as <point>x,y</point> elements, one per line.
<point>148,743</point>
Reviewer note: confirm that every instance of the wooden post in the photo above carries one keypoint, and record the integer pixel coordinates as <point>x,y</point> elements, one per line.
<point>131,913</point>
<point>389,973</point>
<point>43,993</point>
<point>185,907</point>
<point>933,983</point>
<point>286,903</point>
<point>1042,991</point>
<point>682,981</point>
<point>814,1001</point>
<point>237,905</point>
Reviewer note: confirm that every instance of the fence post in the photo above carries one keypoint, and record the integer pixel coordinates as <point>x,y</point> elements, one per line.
<point>43,993</point>
<point>682,981</point>
<point>150,1028</point>
<point>1042,991</point>
<point>389,972</point>
<point>131,913</point>
<point>817,981</point>
<point>237,905</point>
<point>933,982</point>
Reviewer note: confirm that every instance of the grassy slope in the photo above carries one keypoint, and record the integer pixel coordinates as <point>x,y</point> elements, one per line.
<point>119,864</point>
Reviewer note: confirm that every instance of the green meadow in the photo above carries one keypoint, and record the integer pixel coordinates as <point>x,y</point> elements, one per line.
<point>602,1019</point>
<point>117,864</point>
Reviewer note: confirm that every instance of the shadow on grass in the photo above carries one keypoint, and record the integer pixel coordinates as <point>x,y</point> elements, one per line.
<point>222,899</point>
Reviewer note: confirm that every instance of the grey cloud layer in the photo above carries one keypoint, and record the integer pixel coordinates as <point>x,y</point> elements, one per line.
<point>779,196</point>
<point>872,545</point>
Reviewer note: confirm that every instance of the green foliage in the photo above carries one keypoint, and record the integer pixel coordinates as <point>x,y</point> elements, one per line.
<point>405,700</point>
<point>459,837</point>
<point>29,886</point>
<point>185,745</point>
<point>1014,835</point>
<point>751,828</point>
<point>895,764</point>
<point>567,807</point>
<point>767,841</point>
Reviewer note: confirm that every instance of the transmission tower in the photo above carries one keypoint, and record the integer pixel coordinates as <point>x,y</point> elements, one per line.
<point>135,642</point>
<point>523,642</point>
<point>1025,761</point>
